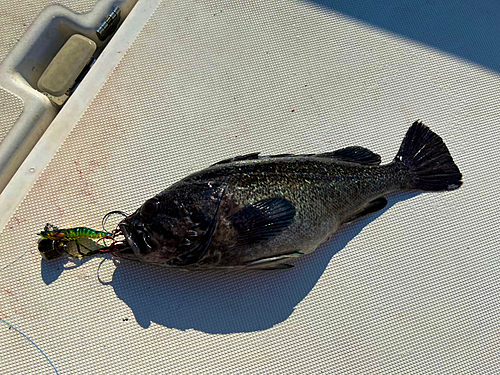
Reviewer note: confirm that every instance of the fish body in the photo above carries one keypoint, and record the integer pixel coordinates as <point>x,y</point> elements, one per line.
<point>261,212</point>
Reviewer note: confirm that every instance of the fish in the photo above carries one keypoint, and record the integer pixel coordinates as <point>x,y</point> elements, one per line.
<point>262,212</point>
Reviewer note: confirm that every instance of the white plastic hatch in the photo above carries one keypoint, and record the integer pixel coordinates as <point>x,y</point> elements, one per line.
<point>184,84</point>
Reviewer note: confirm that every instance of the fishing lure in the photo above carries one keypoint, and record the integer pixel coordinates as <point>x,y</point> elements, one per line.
<point>55,242</point>
<point>51,232</point>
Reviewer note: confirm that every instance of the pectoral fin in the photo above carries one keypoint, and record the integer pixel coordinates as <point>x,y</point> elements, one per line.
<point>262,220</point>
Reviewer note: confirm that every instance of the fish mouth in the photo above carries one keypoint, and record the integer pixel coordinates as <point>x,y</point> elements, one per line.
<point>129,238</point>
<point>138,238</point>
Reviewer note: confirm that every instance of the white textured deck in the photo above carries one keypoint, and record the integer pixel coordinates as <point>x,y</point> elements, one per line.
<point>413,290</point>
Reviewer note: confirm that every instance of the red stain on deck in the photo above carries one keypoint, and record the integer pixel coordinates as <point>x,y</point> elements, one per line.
<point>86,169</point>
<point>293,110</point>
<point>18,222</point>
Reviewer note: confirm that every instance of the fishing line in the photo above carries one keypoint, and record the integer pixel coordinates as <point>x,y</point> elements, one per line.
<point>36,346</point>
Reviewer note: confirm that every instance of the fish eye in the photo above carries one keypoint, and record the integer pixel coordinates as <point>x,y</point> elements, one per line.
<point>150,207</point>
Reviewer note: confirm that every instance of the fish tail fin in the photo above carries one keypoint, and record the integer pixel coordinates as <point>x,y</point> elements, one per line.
<point>428,160</point>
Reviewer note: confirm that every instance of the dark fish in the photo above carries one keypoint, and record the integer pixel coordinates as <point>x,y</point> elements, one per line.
<point>260,212</point>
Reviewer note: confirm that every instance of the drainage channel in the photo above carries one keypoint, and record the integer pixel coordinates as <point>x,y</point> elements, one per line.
<point>45,68</point>
<point>42,128</point>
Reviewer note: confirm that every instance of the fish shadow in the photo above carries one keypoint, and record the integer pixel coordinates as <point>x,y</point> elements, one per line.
<point>223,302</point>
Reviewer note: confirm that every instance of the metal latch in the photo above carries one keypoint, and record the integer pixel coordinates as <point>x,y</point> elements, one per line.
<point>110,25</point>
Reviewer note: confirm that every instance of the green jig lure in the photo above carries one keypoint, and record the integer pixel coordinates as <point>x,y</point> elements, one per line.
<point>55,242</point>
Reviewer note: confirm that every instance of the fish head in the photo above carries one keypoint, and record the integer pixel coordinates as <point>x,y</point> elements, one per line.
<point>174,227</point>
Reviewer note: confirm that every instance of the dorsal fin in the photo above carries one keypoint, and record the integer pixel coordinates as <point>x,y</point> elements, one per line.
<point>353,154</point>
<point>252,156</point>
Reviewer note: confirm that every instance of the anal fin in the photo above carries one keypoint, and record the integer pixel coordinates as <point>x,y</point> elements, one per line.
<point>274,262</point>
<point>374,206</point>
<point>281,266</point>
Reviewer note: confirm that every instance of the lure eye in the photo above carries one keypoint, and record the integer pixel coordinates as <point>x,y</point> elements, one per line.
<point>150,207</point>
